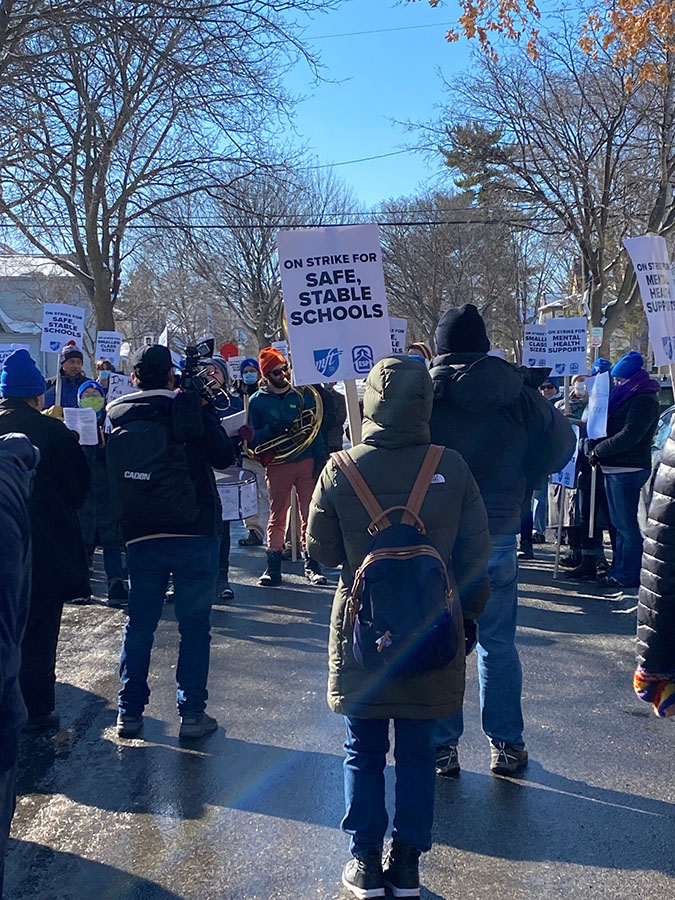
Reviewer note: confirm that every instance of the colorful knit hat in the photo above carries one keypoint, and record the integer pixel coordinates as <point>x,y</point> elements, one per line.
<point>269,359</point>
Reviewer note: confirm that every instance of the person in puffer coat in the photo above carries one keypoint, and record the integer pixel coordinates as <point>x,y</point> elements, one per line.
<point>397,408</point>
<point>654,679</point>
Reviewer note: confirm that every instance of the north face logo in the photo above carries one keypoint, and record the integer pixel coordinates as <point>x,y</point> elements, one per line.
<point>138,476</point>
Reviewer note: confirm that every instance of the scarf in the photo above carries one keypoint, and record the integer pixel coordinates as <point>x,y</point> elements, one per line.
<point>640,383</point>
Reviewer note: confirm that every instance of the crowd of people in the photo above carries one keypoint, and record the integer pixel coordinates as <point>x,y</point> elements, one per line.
<point>422,518</point>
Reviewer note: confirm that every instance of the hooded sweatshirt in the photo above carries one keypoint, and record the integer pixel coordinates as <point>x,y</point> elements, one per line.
<point>510,436</point>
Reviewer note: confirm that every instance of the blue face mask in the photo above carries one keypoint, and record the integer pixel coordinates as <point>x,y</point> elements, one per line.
<point>250,377</point>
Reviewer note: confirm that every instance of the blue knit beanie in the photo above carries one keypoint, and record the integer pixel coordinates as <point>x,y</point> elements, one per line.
<point>554,381</point>
<point>600,365</point>
<point>21,377</point>
<point>89,384</point>
<point>628,365</point>
<point>248,362</point>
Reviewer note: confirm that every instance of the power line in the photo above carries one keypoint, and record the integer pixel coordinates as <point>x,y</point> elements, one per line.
<point>323,37</point>
<point>349,162</point>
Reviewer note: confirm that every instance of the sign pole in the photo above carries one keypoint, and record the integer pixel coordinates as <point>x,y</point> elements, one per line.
<point>561,507</point>
<point>294,524</point>
<point>353,411</point>
<point>594,485</point>
<point>57,398</point>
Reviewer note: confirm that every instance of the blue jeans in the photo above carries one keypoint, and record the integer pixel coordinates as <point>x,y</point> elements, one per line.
<point>193,562</point>
<point>7,806</point>
<point>500,675</point>
<point>366,817</point>
<point>540,499</point>
<point>623,497</point>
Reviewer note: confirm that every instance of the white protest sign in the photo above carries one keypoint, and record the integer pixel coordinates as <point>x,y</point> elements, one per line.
<point>234,367</point>
<point>398,329</point>
<point>163,339</point>
<point>83,421</point>
<point>60,325</point>
<point>118,386</point>
<point>534,346</point>
<point>108,344</point>
<point>7,350</point>
<point>596,336</point>
<point>566,475</point>
<point>598,400</point>
<point>649,256</point>
<point>566,346</point>
<point>335,301</point>
<point>282,347</point>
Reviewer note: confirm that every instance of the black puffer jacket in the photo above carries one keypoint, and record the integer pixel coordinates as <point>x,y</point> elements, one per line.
<point>630,430</point>
<point>656,603</point>
<point>506,431</point>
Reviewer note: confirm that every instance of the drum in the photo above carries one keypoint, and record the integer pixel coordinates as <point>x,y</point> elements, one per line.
<point>238,493</point>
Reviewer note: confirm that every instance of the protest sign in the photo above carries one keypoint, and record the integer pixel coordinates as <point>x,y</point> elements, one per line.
<point>108,344</point>
<point>234,367</point>
<point>282,347</point>
<point>82,421</point>
<point>534,346</point>
<point>596,336</point>
<point>398,329</point>
<point>598,401</point>
<point>61,324</point>
<point>118,386</point>
<point>566,345</point>
<point>7,350</point>
<point>335,301</point>
<point>163,339</point>
<point>566,475</point>
<point>649,256</point>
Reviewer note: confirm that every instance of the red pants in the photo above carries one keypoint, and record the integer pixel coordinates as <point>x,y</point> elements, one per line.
<point>280,479</point>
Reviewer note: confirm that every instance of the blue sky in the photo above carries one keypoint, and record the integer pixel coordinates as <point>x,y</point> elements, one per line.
<point>374,79</point>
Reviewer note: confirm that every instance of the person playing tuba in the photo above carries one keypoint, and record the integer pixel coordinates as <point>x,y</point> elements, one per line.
<point>287,440</point>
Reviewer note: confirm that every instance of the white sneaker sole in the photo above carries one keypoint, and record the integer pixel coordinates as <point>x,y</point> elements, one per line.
<point>361,893</point>
<point>403,892</point>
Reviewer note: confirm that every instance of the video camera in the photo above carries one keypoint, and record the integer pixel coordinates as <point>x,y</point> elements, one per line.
<point>192,379</point>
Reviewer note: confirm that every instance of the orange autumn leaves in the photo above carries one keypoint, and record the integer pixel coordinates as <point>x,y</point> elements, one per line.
<point>627,29</point>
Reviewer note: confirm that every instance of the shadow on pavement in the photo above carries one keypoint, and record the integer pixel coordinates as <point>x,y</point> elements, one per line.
<point>546,817</point>
<point>74,876</point>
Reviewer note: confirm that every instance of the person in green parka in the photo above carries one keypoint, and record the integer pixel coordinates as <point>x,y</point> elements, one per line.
<point>397,408</point>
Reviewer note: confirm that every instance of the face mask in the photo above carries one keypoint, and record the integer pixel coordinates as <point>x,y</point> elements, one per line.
<point>250,377</point>
<point>95,403</point>
<point>580,389</point>
<point>103,375</point>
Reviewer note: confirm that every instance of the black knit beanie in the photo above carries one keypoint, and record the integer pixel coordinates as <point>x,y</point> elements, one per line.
<point>462,330</point>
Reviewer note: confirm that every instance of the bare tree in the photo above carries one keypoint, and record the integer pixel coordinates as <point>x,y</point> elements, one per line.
<point>129,107</point>
<point>571,141</point>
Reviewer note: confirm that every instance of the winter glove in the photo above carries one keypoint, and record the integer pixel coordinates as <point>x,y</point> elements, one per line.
<point>54,412</point>
<point>470,635</point>
<point>246,433</point>
<point>593,458</point>
<point>278,428</point>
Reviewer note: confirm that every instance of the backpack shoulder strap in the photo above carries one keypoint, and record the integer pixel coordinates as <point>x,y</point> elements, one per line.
<point>351,472</point>
<point>422,483</point>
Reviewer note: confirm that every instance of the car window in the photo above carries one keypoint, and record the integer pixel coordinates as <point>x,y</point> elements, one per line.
<point>663,429</point>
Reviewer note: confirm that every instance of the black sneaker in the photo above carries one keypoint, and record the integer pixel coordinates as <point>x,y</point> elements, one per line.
<point>313,572</point>
<point>402,870</point>
<point>128,726</point>
<point>118,596</point>
<point>46,722</point>
<point>253,539</point>
<point>505,759</point>
<point>197,726</point>
<point>226,592</point>
<point>526,551</point>
<point>363,876</point>
<point>447,761</point>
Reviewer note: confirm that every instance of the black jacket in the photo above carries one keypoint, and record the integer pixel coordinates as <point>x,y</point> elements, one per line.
<point>207,447</point>
<point>630,430</point>
<point>506,431</point>
<point>18,460</point>
<point>60,567</point>
<point>656,601</point>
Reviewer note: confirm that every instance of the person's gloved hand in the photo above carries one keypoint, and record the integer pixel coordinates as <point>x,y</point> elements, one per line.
<point>593,458</point>
<point>54,412</point>
<point>470,635</point>
<point>277,428</point>
<point>246,433</point>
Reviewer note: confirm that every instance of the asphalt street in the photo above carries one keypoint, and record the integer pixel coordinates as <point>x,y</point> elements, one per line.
<point>252,812</point>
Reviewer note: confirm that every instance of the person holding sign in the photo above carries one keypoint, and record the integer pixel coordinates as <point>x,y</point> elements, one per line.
<point>71,362</point>
<point>624,457</point>
<point>511,437</point>
<point>248,384</point>
<point>59,568</point>
<point>274,411</point>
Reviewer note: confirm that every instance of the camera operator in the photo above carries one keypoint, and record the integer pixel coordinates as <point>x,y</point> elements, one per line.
<point>160,456</point>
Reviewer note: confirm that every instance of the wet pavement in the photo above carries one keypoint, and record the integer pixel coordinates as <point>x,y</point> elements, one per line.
<point>252,812</point>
